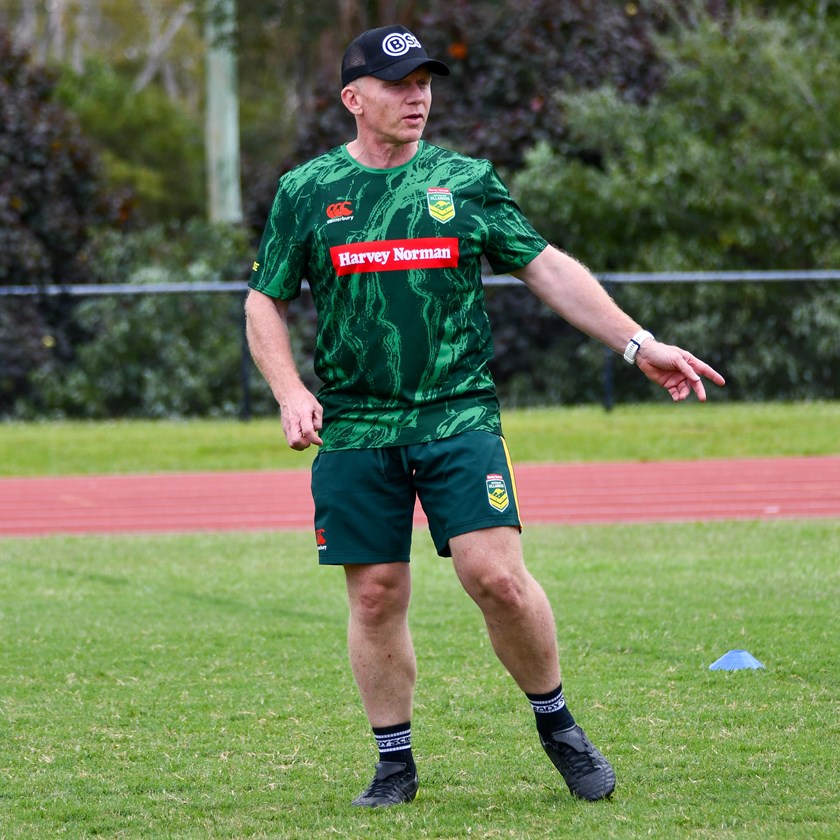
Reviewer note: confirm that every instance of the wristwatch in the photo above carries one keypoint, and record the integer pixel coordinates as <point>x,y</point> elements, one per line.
<point>634,344</point>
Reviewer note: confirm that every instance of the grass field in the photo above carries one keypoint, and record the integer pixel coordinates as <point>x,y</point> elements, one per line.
<point>197,686</point>
<point>633,433</point>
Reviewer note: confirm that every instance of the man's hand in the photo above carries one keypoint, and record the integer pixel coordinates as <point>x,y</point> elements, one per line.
<point>675,369</point>
<point>268,338</point>
<point>302,417</point>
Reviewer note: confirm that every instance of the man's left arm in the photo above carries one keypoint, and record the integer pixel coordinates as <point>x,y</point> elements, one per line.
<point>567,287</point>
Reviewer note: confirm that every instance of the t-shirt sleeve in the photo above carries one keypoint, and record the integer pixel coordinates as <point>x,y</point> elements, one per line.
<point>512,242</point>
<point>280,264</point>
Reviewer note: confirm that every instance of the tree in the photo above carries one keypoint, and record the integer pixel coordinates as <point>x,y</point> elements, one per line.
<point>733,164</point>
<point>51,199</point>
<point>508,59</point>
<point>151,149</point>
<point>152,39</point>
<point>52,192</point>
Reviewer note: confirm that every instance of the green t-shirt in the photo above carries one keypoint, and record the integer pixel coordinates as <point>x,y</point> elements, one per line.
<point>393,260</point>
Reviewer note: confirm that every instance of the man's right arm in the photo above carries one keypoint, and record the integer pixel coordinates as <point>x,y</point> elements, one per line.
<point>268,339</point>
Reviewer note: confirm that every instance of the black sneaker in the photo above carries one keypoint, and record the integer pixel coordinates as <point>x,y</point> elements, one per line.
<point>393,784</point>
<point>587,773</point>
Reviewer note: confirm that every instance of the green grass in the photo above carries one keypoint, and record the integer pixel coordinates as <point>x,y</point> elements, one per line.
<point>636,433</point>
<point>198,686</point>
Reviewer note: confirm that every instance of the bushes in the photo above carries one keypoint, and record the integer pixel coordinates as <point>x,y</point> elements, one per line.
<point>52,195</point>
<point>156,355</point>
<point>51,191</point>
<point>151,147</point>
<point>732,165</point>
<point>715,149</point>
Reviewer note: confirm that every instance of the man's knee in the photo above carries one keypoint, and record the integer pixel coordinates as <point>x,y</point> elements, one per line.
<point>378,594</point>
<point>490,568</point>
<point>499,589</point>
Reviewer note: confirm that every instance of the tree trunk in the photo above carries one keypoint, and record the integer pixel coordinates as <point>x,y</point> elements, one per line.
<point>161,42</point>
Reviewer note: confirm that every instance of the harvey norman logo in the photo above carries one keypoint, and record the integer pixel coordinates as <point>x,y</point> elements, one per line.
<point>395,255</point>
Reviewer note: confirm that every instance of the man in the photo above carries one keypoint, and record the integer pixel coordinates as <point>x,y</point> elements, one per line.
<point>389,231</point>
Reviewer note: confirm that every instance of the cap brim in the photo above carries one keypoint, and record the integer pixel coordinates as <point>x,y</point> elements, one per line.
<point>400,69</point>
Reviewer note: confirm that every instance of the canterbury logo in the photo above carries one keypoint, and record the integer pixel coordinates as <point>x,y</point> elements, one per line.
<point>339,209</point>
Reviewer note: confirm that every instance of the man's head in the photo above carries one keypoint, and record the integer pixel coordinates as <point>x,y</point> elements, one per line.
<point>389,53</point>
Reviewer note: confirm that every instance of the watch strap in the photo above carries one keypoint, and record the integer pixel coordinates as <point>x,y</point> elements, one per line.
<point>634,344</point>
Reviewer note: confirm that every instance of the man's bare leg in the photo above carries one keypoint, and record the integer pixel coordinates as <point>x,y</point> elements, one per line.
<point>382,657</point>
<point>521,627</point>
<point>381,650</point>
<point>516,610</point>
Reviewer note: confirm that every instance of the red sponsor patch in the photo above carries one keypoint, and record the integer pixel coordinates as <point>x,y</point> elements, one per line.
<point>395,255</point>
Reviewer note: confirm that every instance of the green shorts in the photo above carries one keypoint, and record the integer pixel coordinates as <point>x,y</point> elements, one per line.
<point>364,498</point>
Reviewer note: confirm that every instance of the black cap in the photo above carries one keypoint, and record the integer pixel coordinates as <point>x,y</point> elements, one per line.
<point>390,52</point>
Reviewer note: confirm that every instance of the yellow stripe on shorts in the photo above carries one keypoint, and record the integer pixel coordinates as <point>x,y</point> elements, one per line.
<point>512,480</point>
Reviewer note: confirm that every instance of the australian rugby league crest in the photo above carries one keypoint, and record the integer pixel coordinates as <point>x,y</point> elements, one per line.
<point>441,203</point>
<point>497,493</point>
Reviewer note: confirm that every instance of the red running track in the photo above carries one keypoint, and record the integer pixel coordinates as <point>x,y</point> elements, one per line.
<point>778,488</point>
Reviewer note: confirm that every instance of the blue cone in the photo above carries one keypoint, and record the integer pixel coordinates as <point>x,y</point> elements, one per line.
<point>735,660</point>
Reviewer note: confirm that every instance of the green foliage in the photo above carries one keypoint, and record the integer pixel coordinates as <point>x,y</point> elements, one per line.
<point>52,198</point>
<point>157,355</point>
<point>791,8</point>
<point>506,58</point>
<point>151,145</point>
<point>51,190</point>
<point>732,165</point>
<point>713,144</point>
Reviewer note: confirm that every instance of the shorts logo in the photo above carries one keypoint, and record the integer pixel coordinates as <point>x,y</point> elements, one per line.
<point>398,43</point>
<point>497,493</point>
<point>320,539</point>
<point>441,204</point>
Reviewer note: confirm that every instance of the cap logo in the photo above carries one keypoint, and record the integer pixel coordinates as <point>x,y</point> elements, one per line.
<point>399,43</point>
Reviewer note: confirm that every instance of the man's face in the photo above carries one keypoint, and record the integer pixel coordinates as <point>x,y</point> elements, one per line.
<point>396,112</point>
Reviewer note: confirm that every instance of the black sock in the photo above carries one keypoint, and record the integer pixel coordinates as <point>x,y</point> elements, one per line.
<point>394,743</point>
<point>551,712</point>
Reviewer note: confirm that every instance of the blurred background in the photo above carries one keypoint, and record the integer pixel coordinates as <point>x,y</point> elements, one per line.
<point>679,137</point>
